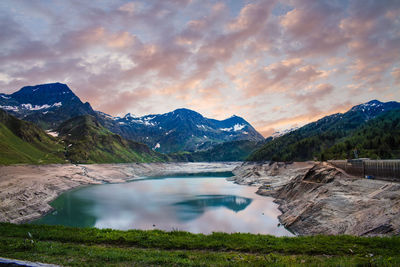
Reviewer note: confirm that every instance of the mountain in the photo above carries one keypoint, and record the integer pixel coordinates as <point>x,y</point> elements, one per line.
<point>46,105</point>
<point>24,142</point>
<point>309,141</point>
<point>378,138</point>
<point>228,151</point>
<point>180,130</point>
<point>87,141</point>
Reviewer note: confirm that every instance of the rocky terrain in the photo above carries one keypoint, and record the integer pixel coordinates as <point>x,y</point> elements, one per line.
<point>27,190</point>
<point>316,198</point>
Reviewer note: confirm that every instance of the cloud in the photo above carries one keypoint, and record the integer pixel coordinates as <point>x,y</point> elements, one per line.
<point>372,28</point>
<point>310,96</point>
<point>396,75</point>
<point>313,28</point>
<point>288,74</point>
<point>119,102</point>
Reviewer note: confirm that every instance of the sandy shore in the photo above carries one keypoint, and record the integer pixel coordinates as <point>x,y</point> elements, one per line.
<point>317,198</point>
<point>27,190</point>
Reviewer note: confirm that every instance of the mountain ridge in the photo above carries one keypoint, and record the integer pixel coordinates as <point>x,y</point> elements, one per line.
<point>307,142</point>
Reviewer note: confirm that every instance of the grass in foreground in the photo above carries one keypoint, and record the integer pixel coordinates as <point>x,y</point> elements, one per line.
<point>89,246</point>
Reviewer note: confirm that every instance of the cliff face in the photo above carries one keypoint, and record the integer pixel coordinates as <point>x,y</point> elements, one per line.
<point>320,199</point>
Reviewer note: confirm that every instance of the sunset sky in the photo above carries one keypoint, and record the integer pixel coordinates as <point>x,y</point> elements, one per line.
<point>278,64</point>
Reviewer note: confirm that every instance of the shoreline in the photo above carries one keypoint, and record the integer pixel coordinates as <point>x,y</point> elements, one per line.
<point>317,198</point>
<point>314,198</point>
<point>27,190</point>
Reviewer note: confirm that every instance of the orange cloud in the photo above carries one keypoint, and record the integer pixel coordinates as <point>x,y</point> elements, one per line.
<point>271,126</point>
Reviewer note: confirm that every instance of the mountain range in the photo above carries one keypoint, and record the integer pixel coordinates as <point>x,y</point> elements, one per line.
<point>82,134</point>
<point>48,105</point>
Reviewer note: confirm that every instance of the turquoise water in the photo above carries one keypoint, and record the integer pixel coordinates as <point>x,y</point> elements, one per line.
<point>198,204</point>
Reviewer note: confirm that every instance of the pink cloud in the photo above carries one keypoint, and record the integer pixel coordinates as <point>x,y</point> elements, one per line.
<point>289,74</point>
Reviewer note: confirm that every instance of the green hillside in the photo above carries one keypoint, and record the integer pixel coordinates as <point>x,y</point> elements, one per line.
<point>379,138</point>
<point>228,151</point>
<point>307,142</point>
<point>24,142</point>
<point>87,141</point>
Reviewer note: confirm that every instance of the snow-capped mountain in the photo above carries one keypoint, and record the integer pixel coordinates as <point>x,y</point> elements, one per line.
<point>374,107</point>
<point>47,105</point>
<point>181,129</point>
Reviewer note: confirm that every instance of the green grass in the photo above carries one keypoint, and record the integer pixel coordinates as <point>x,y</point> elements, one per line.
<point>90,246</point>
<point>15,150</point>
<point>87,141</point>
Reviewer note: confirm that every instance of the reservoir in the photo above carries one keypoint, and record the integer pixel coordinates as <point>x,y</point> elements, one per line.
<point>203,203</point>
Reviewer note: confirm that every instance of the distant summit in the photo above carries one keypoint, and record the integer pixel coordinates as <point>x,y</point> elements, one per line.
<point>181,130</point>
<point>47,105</point>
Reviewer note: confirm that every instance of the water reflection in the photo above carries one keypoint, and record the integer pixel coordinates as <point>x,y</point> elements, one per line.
<point>195,204</point>
<point>195,207</point>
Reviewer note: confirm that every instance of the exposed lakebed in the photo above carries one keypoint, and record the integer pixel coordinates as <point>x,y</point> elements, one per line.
<point>201,203</point>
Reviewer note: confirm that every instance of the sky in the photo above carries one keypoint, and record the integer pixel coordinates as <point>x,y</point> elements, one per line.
<point>277,64</point>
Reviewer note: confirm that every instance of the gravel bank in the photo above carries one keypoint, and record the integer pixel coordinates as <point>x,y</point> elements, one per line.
<point>316,198</point>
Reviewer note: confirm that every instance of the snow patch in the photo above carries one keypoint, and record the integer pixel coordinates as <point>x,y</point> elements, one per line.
<point>204,127</point>
<point>238,127</point>
<point>13,108</point>
<point>157,146</point>
<point>5,97</point>
<point>52,133</point>
<point>226,129</point>
<point>149,118</point>
<point>38,107</point>
<point>281,133</point>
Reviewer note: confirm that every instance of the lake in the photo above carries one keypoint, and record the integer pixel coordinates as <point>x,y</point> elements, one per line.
<point>199,204</point>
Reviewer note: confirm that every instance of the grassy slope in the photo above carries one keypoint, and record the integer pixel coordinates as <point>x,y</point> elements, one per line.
<point>89,142</point>
<point>90,246</point>
<point>23,142</point>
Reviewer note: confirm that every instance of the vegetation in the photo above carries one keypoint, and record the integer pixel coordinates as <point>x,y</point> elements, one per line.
<point>24,142</point>
<point>87,141</point>
<point>335,136</point>
<point>82,140</point>
<point>228,151</point>
<point>379,138</point>
<point>90,246</point>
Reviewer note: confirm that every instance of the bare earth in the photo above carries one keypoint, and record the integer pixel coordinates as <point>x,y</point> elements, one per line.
<point>27,190</point>
<point>316,198</point>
